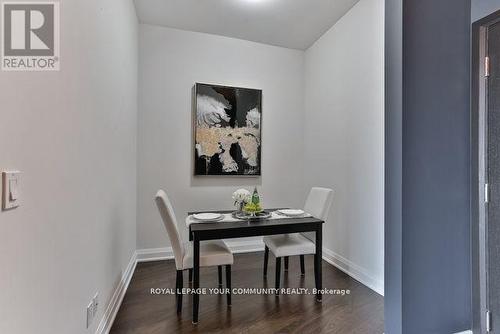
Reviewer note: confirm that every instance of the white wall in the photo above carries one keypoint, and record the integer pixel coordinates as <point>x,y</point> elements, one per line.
<point>323,125</point>
<point>344,136</point>
<point>170,62</point>
<point>73,135</point>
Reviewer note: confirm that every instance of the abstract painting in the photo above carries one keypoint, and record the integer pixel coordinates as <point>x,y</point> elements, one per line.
<point>227,130</point>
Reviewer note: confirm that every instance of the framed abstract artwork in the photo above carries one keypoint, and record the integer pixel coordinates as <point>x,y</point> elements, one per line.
<point>227,130</point>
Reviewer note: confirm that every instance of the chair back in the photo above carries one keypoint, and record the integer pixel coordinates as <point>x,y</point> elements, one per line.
<point>170,222</point>
<point>318,204</point>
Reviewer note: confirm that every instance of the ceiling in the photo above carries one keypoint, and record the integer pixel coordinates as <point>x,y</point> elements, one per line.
<point>295,24</point>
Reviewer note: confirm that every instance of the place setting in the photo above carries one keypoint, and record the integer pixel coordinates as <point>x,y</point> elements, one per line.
<point>248,208</point>
<point>292,213</point>
<point>208,217</point>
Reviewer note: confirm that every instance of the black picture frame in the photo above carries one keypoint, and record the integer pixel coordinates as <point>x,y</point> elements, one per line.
<point>227,131</point>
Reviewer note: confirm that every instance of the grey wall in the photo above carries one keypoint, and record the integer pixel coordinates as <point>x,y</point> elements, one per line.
<point>72,134</point>
<point>430,224</point>
<point>393,166</point>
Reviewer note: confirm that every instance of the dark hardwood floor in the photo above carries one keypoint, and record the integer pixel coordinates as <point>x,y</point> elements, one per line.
<point>145,313</point>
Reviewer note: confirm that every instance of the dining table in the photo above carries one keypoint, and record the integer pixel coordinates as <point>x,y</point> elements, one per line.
<point>231,227</point>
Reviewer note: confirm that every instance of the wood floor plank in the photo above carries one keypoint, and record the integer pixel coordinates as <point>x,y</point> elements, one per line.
<point>141,312</point>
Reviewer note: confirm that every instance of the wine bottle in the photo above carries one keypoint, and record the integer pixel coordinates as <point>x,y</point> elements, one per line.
<point>255,197</point>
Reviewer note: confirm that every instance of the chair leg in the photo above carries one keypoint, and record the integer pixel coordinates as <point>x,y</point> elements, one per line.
<point>190,275</point>
<point>278,272</point>
<point>178,292</point>
<point>176,284</point>
<point>302,267</point>
<point>286,263</point>
<point>266,259</point>
<point>219,269</point>
<point>228,283</point>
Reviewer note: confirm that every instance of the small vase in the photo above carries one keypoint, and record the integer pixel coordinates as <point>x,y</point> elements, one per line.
<point>240,207</point>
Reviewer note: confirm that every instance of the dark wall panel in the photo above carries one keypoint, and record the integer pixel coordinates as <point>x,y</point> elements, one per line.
<point>436,213</point>
<point>435,196</point>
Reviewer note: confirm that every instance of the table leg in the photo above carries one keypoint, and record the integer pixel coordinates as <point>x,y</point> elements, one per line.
<point>219,270</point>
<point>196,278</point>
<point>302,266</point>
<point>317,264</point>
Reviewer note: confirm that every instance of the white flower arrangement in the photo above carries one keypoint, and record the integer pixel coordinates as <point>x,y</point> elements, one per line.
<point>242,196</point>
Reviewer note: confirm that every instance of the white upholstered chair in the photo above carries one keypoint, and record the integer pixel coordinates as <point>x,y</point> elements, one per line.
<point>212,253</point>
<point>318,204</point>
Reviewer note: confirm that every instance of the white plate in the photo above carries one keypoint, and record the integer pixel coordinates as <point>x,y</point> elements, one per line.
<point>207,216</point>
<point>291,212</point>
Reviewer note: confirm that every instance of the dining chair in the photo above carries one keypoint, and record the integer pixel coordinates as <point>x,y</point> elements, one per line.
<point>318,204</point>
<point>212,253</point>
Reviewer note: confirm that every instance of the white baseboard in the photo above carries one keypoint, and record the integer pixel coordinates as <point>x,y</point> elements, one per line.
<point>351,269</point>
<point>247,246</point>
<point>464,332</point>
<point>116,300</point>
<point>166,253</point>
<point>154,254</point>
<point>354,271</point>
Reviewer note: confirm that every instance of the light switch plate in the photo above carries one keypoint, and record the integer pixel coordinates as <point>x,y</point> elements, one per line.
<point>10,189</point>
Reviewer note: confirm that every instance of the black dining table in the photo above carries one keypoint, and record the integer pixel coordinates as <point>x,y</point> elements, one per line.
<point>251,228</point>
